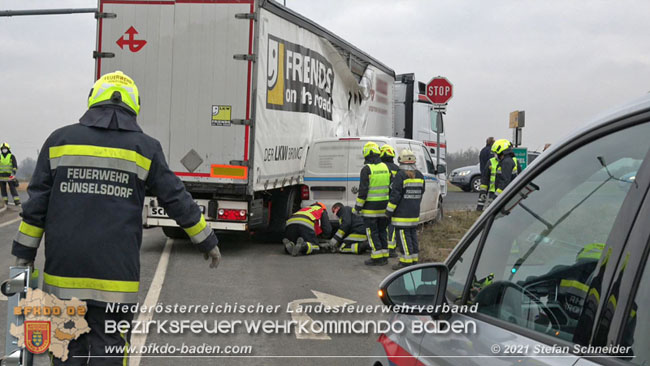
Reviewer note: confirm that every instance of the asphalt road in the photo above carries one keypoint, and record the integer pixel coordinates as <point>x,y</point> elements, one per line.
<point>253,271</point>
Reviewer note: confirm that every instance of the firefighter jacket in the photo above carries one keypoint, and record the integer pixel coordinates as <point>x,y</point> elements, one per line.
<point>8,165</point>
<point>374,187</point>
<point>313,217</point>
<point>405,198</point>
<point>506,171</point>
<point>394,168</point>
<point>87,194</point>
<point>349,224</point>
<point>493,169</point>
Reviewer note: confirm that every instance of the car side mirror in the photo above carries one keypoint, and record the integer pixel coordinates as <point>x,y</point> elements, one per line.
<point>441,169</point>
<point>416,290</point>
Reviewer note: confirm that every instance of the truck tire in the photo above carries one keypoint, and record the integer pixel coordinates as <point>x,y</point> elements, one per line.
<point>475,183</point>
<point>283,205</point>
<point>174,232</point>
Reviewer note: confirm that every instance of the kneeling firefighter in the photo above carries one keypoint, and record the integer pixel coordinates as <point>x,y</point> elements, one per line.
<point>304,227</point>
<point>351,235</point>
<point>403,207</point>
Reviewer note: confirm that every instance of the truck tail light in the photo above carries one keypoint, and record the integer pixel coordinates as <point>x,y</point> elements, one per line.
<point>304,193</point>
<point>231,214</point>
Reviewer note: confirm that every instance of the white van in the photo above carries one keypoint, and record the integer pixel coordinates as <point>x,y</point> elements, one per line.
<point>333,165</point>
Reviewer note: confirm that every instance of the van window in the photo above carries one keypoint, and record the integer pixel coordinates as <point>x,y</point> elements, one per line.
<point>427,158</point>
<point>546,247</point>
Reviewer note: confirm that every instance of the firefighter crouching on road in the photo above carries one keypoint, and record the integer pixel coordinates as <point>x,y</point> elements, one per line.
<point>86,195</point>
<point>404,208</point>
<point>371,203</point>
<point>304,227</point>
<point>8,168</point>
<point>351,235</point>
<point>501,170</point>
<point>387,156</point>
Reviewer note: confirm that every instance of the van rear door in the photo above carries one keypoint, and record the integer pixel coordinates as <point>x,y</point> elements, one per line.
<point>326,172</point>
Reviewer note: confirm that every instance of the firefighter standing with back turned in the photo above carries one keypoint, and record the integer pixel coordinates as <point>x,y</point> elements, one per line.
<point>387,156</point>
<point>501,169</point>
<point>404,208</point>
<point>87,194</point>
<point>8,168</point>
<point>371,203</point>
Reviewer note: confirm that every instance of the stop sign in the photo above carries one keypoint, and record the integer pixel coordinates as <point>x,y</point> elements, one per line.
<point>439,90</point>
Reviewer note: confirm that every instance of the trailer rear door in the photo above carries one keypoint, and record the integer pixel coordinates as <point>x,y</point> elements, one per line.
<point>180,54</point>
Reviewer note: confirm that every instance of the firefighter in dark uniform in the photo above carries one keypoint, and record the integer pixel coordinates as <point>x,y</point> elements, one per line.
<point>304,227</point>
<point>404,208</point>
<point>8,168</point>
<point>351,235</point>
<point>387,156</point>
<point>371,203</point>
<point>86,195</point>
<point>501,169</point>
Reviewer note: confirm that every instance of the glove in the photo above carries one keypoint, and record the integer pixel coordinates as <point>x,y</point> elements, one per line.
<point>333,242</point>
<point>215,254</point>
<point>356,210</point>
<point>22,262</point>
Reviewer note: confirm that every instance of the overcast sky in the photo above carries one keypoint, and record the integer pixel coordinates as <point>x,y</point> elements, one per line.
<point>561,61</point>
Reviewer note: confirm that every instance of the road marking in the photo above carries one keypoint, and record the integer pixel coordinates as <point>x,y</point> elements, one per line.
<point>10,222</point>
<point>138,340</point>
<point>323,298</point>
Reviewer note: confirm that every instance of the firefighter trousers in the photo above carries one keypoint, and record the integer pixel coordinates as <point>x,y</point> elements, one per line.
<point>12,189</point>
<point>407,238</point>
<point>376,231</point>
<point>354,243</point>
<point>295,231</point>
<point>93,348</point>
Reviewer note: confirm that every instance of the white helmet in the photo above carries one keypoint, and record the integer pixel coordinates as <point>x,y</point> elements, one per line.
<point>406,157</point>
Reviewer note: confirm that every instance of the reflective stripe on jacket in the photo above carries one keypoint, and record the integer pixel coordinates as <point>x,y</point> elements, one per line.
<point>313,217</point>
<point>405,198</point>
<point>7,164</point>
<point>374,188</point>
<point>87,194</point>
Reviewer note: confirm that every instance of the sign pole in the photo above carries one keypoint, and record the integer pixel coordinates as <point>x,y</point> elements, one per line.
<point>438,126</point>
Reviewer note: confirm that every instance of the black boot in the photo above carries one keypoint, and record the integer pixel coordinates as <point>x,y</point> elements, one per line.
<point>288,245</point>
<point>376,262</point>
<point>298,248</point>
<point>400,265</point>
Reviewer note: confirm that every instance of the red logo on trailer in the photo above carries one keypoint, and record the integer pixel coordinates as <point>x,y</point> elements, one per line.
<point>135,45</point>
<point>439,90</point>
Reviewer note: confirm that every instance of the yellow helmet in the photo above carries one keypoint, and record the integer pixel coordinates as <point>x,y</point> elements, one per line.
<point>387,150</point>
<point>500,146</point>
<point>370,147</point>
<point>4,144</point>
<point>115,88</point>
<point>406,157</point>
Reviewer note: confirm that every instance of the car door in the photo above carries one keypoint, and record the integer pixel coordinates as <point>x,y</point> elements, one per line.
<point>625,318</point>
<point>541,260</point>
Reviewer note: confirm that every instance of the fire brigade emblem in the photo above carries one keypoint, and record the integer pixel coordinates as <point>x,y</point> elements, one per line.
<point>37,336</point>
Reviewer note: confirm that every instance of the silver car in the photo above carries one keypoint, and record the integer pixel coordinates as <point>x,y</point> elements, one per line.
<point>553,273</point>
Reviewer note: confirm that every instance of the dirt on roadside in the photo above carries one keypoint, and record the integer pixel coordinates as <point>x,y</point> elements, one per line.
<point>438,240</point>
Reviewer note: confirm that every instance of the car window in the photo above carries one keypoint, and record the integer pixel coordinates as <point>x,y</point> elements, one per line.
<point>459,272</point>
<point>637,333</point>
<point>542,252</point>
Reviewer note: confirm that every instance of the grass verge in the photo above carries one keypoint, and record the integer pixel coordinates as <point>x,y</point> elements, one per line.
<point>438,240</point>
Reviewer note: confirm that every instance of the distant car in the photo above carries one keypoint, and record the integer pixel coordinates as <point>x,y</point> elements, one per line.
<point>556,268</point>
<point>468,178</point>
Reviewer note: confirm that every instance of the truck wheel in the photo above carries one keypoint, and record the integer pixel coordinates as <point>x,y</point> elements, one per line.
<point>284,204</point>
<point>475,184</point>
<point>174,232</point>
